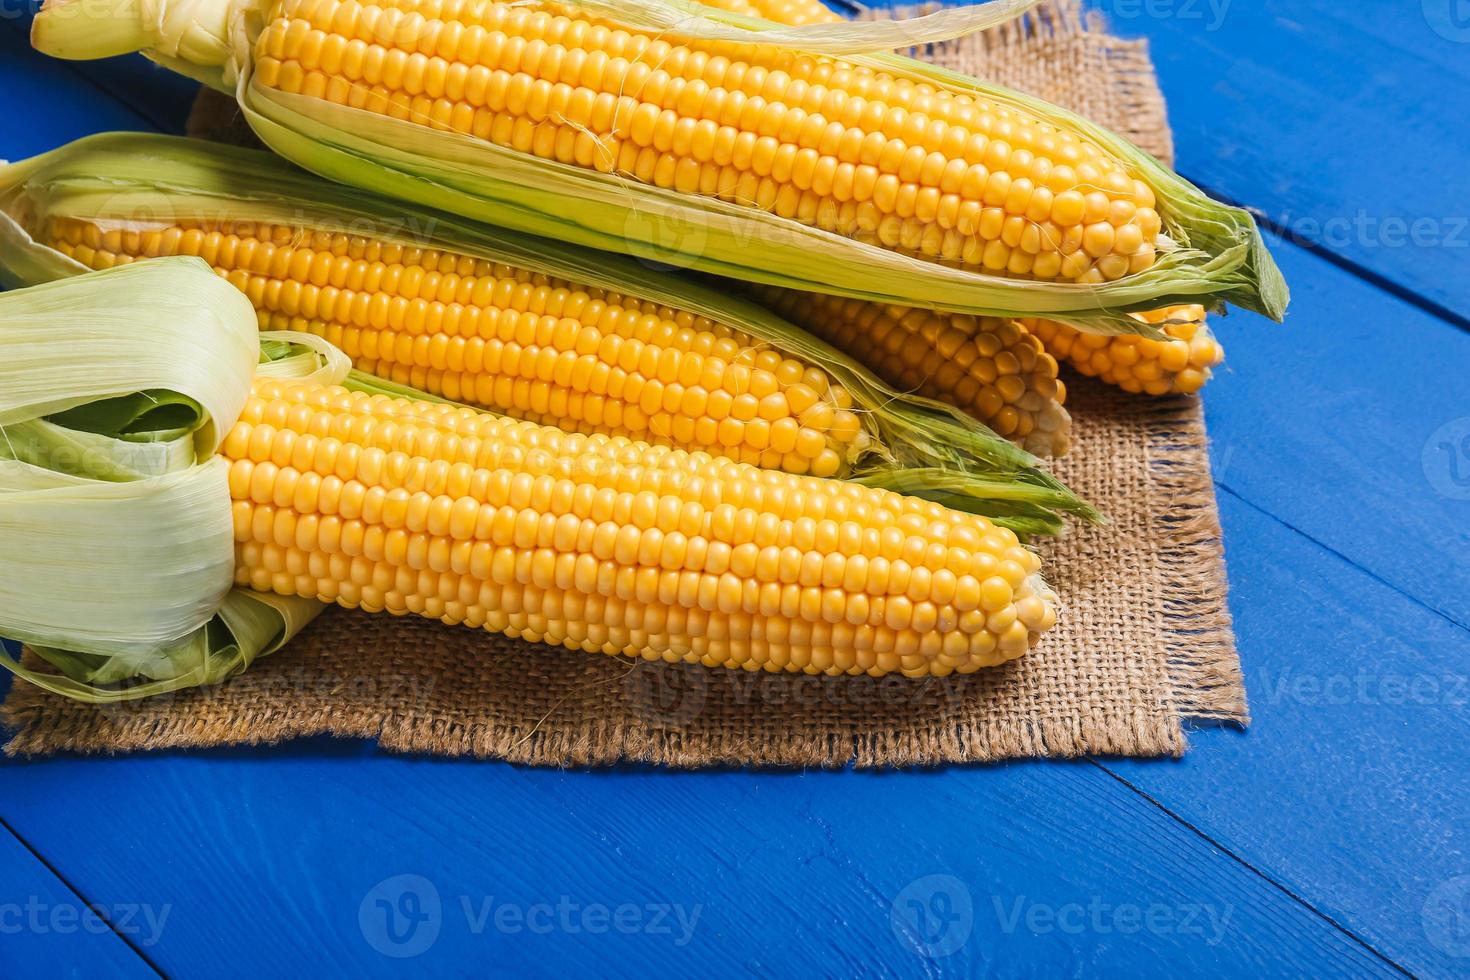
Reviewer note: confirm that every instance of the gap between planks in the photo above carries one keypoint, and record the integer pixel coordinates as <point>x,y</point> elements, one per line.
<point>1232,856</point>
<point>86,902</point>
<point>1434,610</point>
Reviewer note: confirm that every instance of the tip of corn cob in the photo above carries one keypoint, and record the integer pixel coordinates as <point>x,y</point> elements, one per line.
<point>1180,364</point>
<point>989,367</point>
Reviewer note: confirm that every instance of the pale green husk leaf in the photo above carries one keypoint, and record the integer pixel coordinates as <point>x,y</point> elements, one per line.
<point>115,390</point>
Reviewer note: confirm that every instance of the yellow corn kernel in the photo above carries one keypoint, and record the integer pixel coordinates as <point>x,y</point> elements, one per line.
<point>797,13</point>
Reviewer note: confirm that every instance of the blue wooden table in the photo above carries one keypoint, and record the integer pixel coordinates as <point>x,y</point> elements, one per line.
<point>1329,839</point>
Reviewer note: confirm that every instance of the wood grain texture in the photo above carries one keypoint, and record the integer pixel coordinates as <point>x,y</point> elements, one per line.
<point>788,874</point>
<point>46,929</point>
<point>151,97</point>
<point>1334,423</point>
<point>1350,785</point>
<point>1342,122</point>
<point>49,103</point>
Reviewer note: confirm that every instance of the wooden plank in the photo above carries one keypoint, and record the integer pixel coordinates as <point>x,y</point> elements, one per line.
<point>1340,121</point>
<point>158,98</point>
<point>48,103</point>
<point>1349,787</point>
<point>538,872</point>
<point>48,930</point>
<point>1350,423</point>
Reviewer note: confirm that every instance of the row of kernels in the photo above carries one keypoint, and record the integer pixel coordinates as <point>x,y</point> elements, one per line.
<point>496,513</point>
<point>792,180</point>
<point>457,598</point>
<point>405,292</point>
<point>812,85</point>
<point>1180,364</point>
<point>511,443</point>
<point>338,441</point>
<point>402,528</point>
<point>1073,188</point>
<point>429,341</point>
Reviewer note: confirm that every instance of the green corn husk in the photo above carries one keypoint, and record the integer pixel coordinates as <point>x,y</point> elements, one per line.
<point>1213,255</point>
<point>115,391</point>
<point>139,181</point>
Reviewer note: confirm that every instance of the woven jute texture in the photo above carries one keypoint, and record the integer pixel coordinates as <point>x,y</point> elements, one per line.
<point>1144,642</point>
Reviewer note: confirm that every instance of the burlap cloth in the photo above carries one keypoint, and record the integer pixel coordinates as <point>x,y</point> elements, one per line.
<point>1144,641</point>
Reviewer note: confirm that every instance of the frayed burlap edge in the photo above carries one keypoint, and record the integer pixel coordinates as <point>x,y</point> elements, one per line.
<point>1204,666</point>
<point>601,713</point>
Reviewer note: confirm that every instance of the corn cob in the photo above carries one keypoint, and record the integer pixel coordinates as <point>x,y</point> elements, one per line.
<point>989,367</point>
<point>964,188</point>
<point>959,359</point>
<point>605,545</point>
<point>981,184</point>
<point>984,365</point>
<point>528,345</point>
<point>1178,365</point>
